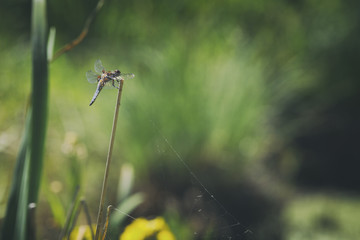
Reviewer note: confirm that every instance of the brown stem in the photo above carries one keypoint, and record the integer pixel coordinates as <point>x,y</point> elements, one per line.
<point>108,161</point>
<point>83,33</point>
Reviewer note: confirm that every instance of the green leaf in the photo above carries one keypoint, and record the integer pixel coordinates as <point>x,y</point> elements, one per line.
<point>39,96</point>
<point>18,223</point>
<point>51,43</point>
<point>16,211</point>
<point>122,211</point>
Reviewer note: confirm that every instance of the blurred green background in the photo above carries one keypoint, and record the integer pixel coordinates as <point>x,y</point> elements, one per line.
<point>259,98</point>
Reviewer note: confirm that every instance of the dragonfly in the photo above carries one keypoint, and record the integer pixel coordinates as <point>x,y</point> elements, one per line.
<point>105,78</point>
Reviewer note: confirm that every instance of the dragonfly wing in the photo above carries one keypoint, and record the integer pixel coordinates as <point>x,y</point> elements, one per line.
<point>92,77</point>
<point>98,66</point>
<point>126,76</point>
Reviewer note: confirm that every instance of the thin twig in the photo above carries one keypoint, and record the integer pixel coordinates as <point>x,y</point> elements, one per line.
<point>107,222</point>
<point>88,218</point>
<point>76,216</point>
<point>69,214</point>
<point>31,221</point>
<point>83,33</point>
<point>108,161</point>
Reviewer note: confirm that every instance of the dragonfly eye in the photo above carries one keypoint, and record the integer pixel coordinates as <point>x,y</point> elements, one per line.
<point>117,72</point>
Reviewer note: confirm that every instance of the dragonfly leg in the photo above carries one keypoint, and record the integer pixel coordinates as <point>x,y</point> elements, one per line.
<point>113,83</point>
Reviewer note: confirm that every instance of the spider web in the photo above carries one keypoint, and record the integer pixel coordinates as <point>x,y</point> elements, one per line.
<point>207,216</point>
<point>217,222</point>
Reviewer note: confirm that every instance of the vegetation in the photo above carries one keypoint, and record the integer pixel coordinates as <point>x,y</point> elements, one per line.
<point>237,109</point>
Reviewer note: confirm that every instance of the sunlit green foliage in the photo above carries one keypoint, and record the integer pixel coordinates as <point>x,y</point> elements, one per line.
<point>230,84</point>
<point>322,217</point>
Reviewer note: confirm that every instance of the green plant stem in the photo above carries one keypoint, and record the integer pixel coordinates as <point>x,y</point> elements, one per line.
<point>88,218</point>
<point>108,161</point>
<point>18,222</point>
<point>69,214</point>
<point>39,98</point>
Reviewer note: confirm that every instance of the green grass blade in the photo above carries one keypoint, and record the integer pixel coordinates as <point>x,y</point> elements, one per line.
<point>27,175</point>
<point>120,214</point>
<point>51,43</point>
<point>39,96</point>
<point>16,211</point>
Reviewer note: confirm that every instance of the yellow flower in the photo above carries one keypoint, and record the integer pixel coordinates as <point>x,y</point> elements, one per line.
<point>82,232</point>
<point>165,235</point>
<point>141,228</point>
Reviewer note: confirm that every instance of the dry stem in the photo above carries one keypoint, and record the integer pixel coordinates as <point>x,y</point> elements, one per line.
<point>108,161</point>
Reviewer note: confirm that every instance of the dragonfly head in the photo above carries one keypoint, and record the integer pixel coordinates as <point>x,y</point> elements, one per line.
<point>117,73</point>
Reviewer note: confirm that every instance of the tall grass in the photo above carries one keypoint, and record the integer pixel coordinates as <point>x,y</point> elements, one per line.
<point>18,223</point>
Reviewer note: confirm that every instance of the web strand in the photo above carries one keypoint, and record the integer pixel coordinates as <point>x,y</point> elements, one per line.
<point>226,212</point>
<point>235,222</point>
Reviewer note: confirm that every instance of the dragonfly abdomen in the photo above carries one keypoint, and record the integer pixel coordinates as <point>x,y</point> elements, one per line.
<point>96,94</point>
